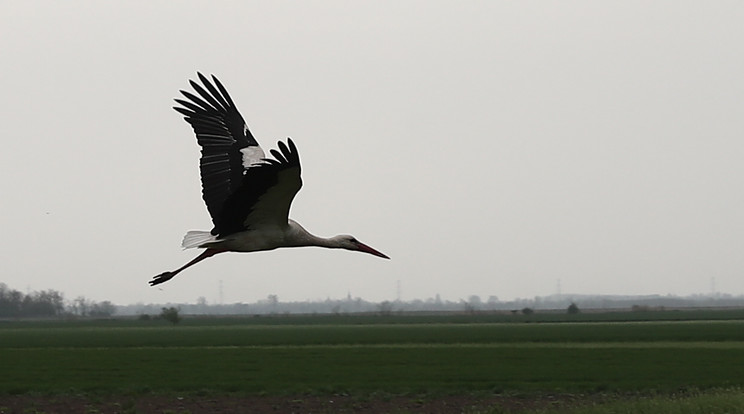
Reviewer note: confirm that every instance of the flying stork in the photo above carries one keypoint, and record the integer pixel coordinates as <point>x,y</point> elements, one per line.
<point>247,194</point>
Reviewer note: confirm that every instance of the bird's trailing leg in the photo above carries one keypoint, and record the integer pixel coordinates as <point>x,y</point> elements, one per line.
<point>166,276</point>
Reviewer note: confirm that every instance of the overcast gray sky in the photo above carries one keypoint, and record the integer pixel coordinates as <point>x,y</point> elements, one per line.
<point>489,148</point>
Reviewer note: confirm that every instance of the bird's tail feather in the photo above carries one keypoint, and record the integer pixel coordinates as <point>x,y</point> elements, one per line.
<point>196,238</point>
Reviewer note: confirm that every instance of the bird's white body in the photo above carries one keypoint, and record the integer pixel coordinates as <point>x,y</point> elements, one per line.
<point>262,238</point>
<point>247,195</point>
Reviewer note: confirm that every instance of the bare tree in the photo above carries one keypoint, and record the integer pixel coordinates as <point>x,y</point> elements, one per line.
<point>102,309</point>
<point>81,306</point>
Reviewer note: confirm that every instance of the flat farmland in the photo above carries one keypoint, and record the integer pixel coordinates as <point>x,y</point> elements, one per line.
<point>323,356</point>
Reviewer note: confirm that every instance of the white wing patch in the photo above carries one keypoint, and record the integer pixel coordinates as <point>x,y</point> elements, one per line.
<point>252,155</point>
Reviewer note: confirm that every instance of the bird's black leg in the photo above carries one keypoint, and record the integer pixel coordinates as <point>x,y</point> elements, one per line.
<point>166,276</point>
<point>163,277</point>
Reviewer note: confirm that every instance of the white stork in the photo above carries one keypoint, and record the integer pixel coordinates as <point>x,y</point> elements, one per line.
<point>247,195</point>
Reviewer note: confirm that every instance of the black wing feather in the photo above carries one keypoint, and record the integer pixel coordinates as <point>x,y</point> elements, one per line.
<point>205,95</point>
<point>221,132</point>
<point>279,157</point>
<point>223,91</point>
<point>213,91</point>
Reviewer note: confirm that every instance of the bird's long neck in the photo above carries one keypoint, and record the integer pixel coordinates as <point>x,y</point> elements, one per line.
<point>300,237</point>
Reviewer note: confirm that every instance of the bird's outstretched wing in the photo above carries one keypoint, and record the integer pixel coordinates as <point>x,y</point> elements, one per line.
<point>266,193</point>
<point>227,146</point>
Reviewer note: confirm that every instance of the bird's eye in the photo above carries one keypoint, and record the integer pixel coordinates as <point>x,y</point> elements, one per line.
<point>353,240</point>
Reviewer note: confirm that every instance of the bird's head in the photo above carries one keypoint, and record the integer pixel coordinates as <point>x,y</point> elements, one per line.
<point>348,242</point>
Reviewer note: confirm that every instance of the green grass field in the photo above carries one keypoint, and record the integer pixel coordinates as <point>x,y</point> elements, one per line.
<point>326,355</point>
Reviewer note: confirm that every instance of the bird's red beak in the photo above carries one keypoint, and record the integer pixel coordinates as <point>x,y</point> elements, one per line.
<point>366,249</point>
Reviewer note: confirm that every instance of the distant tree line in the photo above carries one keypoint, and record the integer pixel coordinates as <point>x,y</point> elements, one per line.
<point>48,303</point>
<point>572,304</point>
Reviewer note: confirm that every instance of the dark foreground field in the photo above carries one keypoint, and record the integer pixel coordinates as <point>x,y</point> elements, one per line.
<point>372,404</point>
<point>334,364</point>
